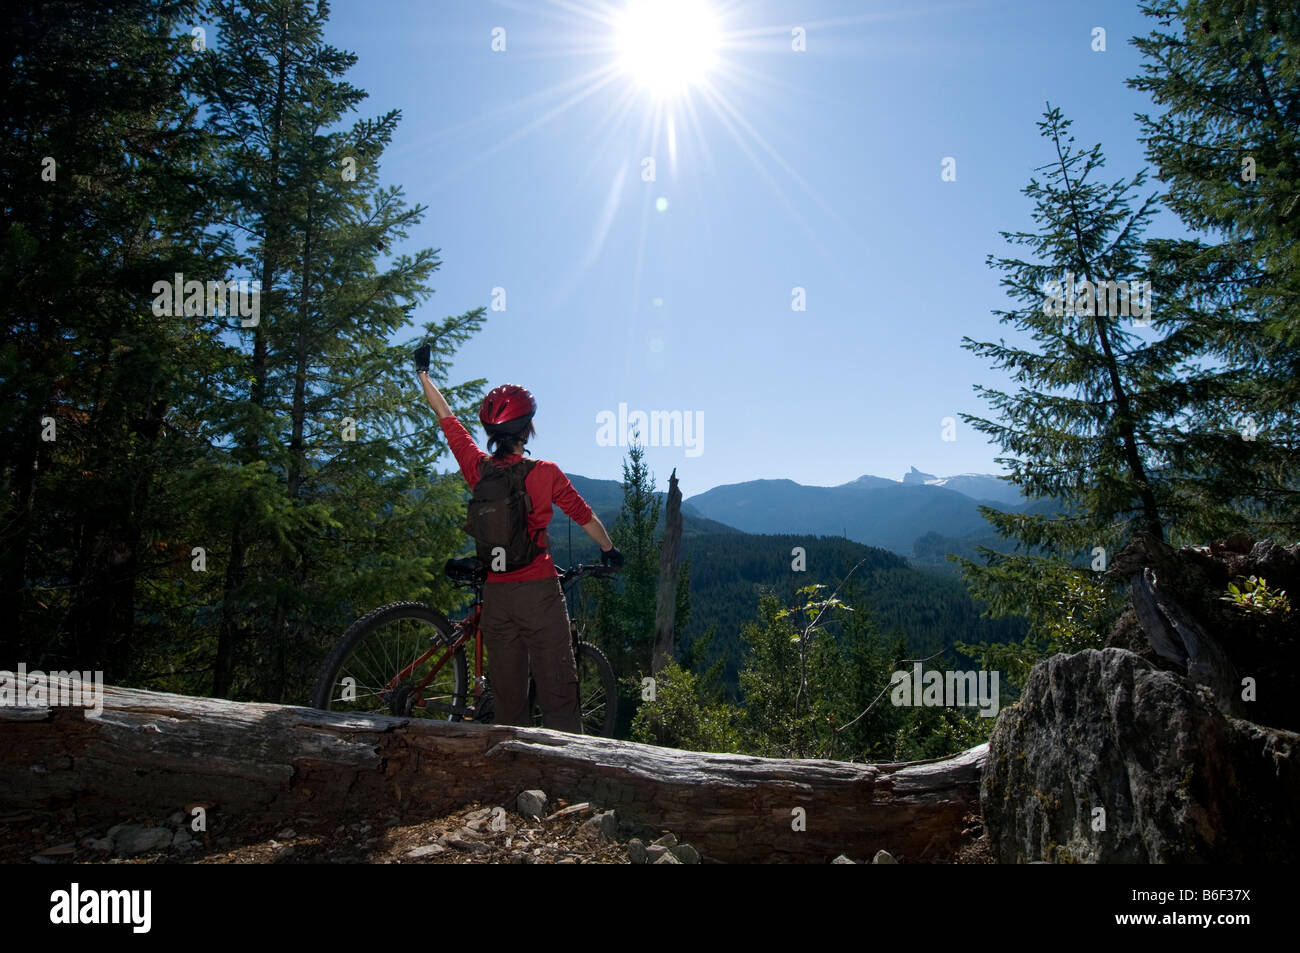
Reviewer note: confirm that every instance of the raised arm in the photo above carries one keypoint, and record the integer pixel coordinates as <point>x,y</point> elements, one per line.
<point>431,392</point>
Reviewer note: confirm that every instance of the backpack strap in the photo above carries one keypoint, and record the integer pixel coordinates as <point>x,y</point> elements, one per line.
<point>486,466</point>
<point>522,469</point>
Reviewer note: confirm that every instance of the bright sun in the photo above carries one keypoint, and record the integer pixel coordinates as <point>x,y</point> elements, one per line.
<point>667,45</point>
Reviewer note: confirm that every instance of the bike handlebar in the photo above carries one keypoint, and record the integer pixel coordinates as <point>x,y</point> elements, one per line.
<point>468,572</point>
<point>576,572</point>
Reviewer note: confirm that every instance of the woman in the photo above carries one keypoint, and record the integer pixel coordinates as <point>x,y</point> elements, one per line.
<point>525,622</point>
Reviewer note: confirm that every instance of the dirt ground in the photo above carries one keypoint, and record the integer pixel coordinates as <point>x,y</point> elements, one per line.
<point>476,834</point>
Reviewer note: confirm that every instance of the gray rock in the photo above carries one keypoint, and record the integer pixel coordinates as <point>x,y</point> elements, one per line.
<point>176,820</point>
<point>1178,781</point>
<point>604,824</point>
<point>287,834</point>
<point>883,857</point>
<point>668,840</point>
<point>685,853</point>
<point>667,857</point>
<point>531,803</point>
<point>182,841</point>
<point>133,839</point>
<point>843,860</point>
<point>102,844</point>
<point>459,841</point>
<point>482,814</point>
<point>636,851</point>
<point>654,852</point>
<point>428,850</point>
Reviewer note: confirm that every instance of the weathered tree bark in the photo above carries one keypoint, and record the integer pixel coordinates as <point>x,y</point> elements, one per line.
<point>669,559</point>
<point>1178,637</point>
<point>151,751</point>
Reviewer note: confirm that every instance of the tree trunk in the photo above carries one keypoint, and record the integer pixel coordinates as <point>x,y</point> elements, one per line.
<point>22,460</point>
<point>1150,521</point>
<point>157,752</point>
<point>231,633</point>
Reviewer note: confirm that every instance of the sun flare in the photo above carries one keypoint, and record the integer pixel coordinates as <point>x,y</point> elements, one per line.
<point>667,46</point>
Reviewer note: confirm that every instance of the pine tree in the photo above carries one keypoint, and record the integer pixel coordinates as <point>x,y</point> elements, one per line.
<point>1088,430</point>
<point>322,492</point>
<point>102,169</point>
<point>1228,144</point>
<point>625,614</point>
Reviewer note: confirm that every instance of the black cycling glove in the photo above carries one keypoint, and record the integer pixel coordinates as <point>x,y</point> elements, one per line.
<point>422,358</point>
<point>612,557</point>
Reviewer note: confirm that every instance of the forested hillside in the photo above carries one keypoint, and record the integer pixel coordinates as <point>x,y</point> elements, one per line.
<point>930,612</point>
<point>929,609</point>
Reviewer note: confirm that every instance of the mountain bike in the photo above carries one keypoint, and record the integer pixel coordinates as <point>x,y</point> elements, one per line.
<point>407,659</point>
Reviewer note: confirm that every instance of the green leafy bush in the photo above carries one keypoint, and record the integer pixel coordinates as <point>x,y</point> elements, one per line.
<point>681,716</point>
<point>1254,595</point>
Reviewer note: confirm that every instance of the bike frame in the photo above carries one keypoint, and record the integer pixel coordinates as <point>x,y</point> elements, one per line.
<point>464,630</point>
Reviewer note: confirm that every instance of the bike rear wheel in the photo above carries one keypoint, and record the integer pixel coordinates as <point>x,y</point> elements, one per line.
<point>382,664</point>
<point>597,693</point>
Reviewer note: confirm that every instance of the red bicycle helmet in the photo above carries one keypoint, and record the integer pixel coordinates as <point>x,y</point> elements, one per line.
<point>507,410</point>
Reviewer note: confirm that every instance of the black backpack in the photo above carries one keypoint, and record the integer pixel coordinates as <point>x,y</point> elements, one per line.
<point>498,516</point>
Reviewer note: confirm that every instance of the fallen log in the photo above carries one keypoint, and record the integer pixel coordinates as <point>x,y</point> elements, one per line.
<point>157,752</point>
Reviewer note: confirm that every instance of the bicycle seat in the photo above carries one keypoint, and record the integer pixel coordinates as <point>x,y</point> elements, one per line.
<point>464,569</point>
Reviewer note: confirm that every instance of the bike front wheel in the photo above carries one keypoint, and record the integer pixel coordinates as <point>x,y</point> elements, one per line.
<point>397,660</point>
<point>597,693</point>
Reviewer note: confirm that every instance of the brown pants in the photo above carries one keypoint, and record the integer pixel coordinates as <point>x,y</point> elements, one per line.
<point>523,623</point>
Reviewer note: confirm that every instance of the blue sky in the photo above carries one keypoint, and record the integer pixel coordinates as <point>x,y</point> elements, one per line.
<point>817,169</point>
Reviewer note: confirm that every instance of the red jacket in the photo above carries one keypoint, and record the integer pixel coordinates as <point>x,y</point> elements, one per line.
<point>546,484</point>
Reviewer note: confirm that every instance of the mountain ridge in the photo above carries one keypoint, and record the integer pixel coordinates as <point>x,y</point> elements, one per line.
<point>921,517</point>
<point>982,487</point>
